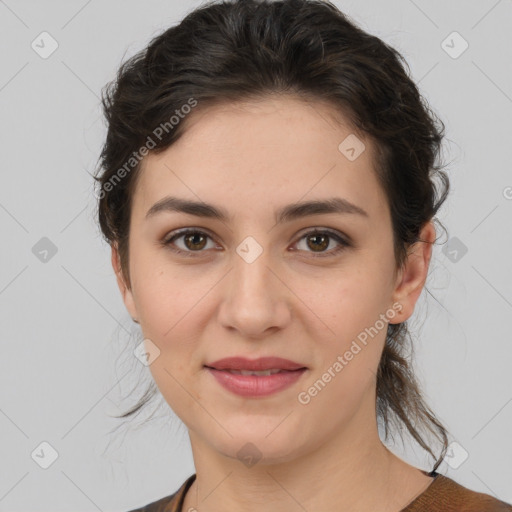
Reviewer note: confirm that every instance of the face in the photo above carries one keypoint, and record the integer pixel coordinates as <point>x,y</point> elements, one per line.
<point>314,286</point>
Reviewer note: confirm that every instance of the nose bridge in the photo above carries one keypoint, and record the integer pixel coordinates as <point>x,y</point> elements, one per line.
<point>255,299</point>
<point>251,274</point>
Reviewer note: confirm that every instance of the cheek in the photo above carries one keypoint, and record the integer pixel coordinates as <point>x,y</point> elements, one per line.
<point>345,300</point>
<point>350,307</point>
<point>167,295</point>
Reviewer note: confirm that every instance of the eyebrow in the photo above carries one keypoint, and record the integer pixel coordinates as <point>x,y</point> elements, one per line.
<point>285,214</point>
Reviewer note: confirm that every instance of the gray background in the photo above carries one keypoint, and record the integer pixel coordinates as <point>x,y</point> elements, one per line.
<point>64,328</point>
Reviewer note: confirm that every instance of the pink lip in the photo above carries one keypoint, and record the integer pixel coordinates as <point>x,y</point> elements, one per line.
<point>255,385</point>
<point>263,363</point>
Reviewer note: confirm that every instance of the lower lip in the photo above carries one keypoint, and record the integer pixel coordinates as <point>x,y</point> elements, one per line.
<point>256,385</point>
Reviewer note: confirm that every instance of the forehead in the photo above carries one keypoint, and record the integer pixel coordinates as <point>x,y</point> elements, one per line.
<point>251,154</point>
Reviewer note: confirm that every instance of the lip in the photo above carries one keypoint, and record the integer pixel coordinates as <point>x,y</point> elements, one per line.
<point>255,385</point>
<point>262,363</point>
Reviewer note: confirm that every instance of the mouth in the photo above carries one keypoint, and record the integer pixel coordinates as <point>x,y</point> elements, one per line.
<point>271,371</point>
<point>263,364</point>
<point>252,383</point>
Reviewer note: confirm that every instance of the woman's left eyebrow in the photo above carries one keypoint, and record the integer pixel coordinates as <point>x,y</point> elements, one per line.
<point>284,214</point>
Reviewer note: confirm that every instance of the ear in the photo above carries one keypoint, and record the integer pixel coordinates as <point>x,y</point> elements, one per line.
<point>412,276</point>
<point>124,289</point>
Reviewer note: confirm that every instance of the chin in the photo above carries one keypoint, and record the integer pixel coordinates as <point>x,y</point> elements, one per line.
<point>257,447</point>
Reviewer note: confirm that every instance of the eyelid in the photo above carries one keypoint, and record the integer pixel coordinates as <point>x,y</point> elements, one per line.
<point>168,239</point>
<point>343,240</point>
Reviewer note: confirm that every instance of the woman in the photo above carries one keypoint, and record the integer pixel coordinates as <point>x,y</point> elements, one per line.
<point>268,188</point>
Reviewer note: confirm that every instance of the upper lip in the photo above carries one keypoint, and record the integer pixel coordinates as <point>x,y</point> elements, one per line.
<point>263,363</point>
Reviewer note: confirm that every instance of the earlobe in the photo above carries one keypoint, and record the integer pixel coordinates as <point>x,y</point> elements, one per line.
<point>125,290</point>
<point>413,275</point>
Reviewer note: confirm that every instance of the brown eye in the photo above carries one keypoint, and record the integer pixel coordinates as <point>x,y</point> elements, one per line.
<point>192,240</point>
<point>195,241</point>
<point>317,241</point>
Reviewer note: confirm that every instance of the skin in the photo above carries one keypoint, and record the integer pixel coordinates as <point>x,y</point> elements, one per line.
<point>252,158</point>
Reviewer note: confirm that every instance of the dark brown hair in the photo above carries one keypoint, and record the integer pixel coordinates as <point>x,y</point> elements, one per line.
<point>246,49</point>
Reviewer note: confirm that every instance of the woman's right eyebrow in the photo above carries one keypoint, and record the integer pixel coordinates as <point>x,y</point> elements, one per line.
<point>284,214</point>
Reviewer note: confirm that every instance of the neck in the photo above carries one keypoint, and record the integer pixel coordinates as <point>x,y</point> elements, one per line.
<point>350,471</point>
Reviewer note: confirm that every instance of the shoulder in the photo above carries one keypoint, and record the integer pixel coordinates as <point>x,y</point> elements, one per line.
<point>171,503</point>
<point>161,505</point>
<point>446,495</point>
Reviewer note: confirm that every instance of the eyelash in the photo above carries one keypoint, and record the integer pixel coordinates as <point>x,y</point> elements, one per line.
<point>333,235</point>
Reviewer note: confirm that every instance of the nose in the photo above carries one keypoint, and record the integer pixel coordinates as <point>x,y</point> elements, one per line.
<point>255,300</point>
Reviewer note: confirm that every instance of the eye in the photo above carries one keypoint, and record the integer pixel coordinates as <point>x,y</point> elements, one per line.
<point>320,238</point>
<point>195,240</point>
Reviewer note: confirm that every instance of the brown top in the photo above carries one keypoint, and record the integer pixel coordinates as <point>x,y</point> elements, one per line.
<point>442,495</point>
